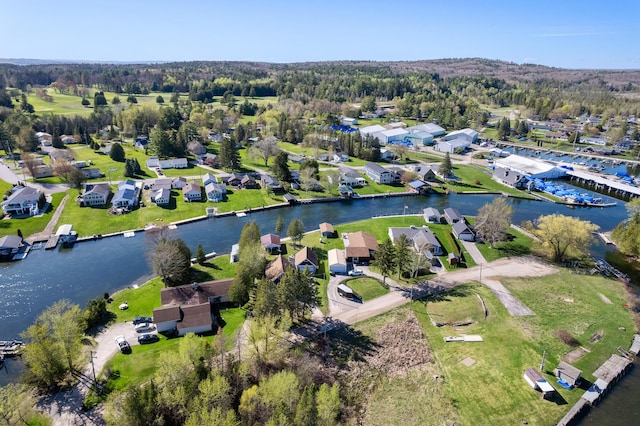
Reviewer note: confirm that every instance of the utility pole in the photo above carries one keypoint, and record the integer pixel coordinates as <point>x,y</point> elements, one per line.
<point>93,369</point>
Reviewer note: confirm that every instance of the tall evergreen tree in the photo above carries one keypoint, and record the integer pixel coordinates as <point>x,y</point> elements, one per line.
<point>229,155</point>
<point>385,259</point>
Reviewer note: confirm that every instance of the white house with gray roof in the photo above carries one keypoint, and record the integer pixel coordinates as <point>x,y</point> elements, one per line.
<point>378,173</point>
<point>421,238</point>
<point>24,200</point>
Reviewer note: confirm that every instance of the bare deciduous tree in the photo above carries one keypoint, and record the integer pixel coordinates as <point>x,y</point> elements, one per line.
<point>265,149</point>
<point>493,221</point>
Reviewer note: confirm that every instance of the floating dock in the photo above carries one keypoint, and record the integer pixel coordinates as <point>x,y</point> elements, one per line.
<point>10,348</point>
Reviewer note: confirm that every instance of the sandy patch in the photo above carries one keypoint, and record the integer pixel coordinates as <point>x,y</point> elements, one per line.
<point>605,299</point>
<point>568,299</point>
<point>468,361</point>
<point>574,355</point>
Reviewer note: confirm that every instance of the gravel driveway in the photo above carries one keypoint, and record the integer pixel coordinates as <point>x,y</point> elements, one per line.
<point>65,408</point>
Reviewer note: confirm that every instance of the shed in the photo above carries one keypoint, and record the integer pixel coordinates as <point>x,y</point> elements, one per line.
<point>326,229</point>
<point>453,258</point>
<point>537,382</point>
<point>337,261</point>
<point>431,215</point>
<point>568,374</point>
<point>289,198</point>
<point>235,252</point>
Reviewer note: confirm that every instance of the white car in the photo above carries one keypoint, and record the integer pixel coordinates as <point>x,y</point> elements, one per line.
<point>124,306</point>
<point>144,327</point>
<point>356,272</point>
<point>123,344</point>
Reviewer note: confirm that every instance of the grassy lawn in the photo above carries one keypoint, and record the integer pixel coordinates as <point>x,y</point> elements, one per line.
<point>517,244</point>
<point>451,245</point>
<point>142,363</point>
<point>29,225</point>
<point>375,188</point>
<point>367,288</point>
<point>492,389</point>
<point>475,178</point>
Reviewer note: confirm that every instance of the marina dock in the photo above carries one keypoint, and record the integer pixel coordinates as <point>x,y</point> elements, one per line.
<point>10,348</point>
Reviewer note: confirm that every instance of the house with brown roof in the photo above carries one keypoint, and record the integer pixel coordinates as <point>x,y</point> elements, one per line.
<point>359,247</point>
<point>192,191</point>
<point>326,230</point>
<point>190,308</point>
<point>276,268</point>
<point>306,259</point>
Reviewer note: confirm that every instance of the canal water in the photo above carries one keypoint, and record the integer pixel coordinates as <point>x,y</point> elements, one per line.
<point>91,268</point>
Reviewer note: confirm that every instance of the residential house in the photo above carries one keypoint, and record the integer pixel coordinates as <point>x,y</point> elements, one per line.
<point>95,194</point>
<point>141,142</point>
<point>209,178</point>
<point>234,180</point>
<point>196,148</point>
<point>467,134</point>
<point>191,308</point>
<point>306,260</point>
<point>92,173</point>
<point>161,196</point>
<point>378,173</point>
<point>396,174</point>
<point>340,157</point>
<point>178,182</point>
<point>350,177</point>
<point>23,201</point>
<point>249,182</point>
<point>337,261</point>
<point>10,245</point>
<point>326,230</point>
<point>271,243</point>
<point>271,183</point>
<point>162,183</point>
<point>60,154</point>
<point>386,154</point>
<point>210,160</point>
<point>44,138</point>
<point>422,239</point>
<point>173,163</point>
<point>322,156</point>
<point>510,178</point>
<point>215,191</point>
<point>425,172</point>
<point>67,139</point>
<point>42,171</point>
<point>346,191</point>
<point>296,159</point>
<point>462,231</point>
<point>431,215</point>
<point>127,195</point>
<point>276,268</point>
<point>452,215</point>
<point>359,247</point>
<point>192,191</point>
<point>153,162</point>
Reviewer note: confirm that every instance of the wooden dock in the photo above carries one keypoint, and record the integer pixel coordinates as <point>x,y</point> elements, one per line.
<point>574,413</point>
<point>52,242</point>
<point>612,369</point>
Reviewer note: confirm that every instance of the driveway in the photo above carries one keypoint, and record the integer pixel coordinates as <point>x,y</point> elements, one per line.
<point>65,408</point>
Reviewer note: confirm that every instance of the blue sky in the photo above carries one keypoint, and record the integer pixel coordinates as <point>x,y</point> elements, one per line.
<point>563,33</point>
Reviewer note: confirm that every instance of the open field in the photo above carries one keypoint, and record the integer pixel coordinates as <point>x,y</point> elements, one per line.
<point>492,388</point>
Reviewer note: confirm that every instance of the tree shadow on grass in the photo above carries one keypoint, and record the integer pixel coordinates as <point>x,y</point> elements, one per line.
<point>346,344</point>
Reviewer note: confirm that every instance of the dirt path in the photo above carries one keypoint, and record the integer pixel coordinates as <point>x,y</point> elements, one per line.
<point>509,267</point>
<point>48,230</point>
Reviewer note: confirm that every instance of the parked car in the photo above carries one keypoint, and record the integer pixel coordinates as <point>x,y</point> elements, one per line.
<point>144,327</point>
<point>140,320</point>
<point>124,346</point>
<point>148,338</point>
<point>356,272</point>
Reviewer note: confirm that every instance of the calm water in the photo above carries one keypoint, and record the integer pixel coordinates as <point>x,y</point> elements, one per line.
<point>89,269</point>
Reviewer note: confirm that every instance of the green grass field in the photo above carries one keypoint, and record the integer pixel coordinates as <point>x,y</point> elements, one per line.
<point>492,389</point>
<point>367,288</point>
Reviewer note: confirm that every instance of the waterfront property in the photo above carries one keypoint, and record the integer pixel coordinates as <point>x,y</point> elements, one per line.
<point>567,374</point>
<point>95,194</point>
<point>431,215</point>
<point>271,243</point>
<point>306,260</point>
<point>326,230</point>
<point>359,247</point>
<point>276,268</point>
<point>128,194</point>
<point>190,308</point>
<point>422,239</point>
<point>379,174</point>
<point>462,231</point>
<point>452,215</point>
<point>23,200</point>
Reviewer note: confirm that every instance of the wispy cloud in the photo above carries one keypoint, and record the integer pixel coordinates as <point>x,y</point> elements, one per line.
<point>576,34</point>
